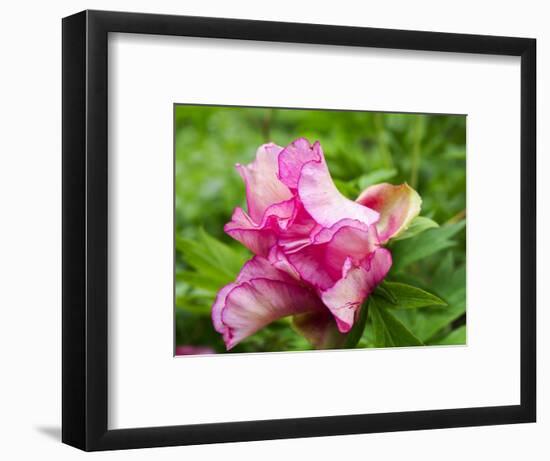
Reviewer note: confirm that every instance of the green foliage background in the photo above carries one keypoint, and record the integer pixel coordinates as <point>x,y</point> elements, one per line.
<point>361,148</point>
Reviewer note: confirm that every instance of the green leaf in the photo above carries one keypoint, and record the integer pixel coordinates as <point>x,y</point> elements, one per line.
<point>386,294</point>
<point>450,282</point>
<point>407,251</point>
<point>375,177</point>
<point>417,226</point>
<point>455,337</point>
<point>408,297</point>
<point>388,330</point>
<point>438,320</point>
<point>211,264</point>
<point>444,270</point>
<point>194,305</point>
<point>212,259</point>
<point>196,256</point>
<point>198,280</point>
<point>227,258</point>
<point>430,321</point>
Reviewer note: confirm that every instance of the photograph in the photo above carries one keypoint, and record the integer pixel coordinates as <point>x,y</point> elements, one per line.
<point>308,229</point>
<point>275,231</point>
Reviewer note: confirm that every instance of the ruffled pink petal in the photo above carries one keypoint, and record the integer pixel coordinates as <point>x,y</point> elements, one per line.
<point>218,306</point>
<point>324,202</point>
<point>259,238</point>
<point>254,304</point>
<point>253,268</point>
<point>326,234</point>
<point>293,157</point>
<point>279,260</point>
<point>310,262</point>
<point>261,294</point>
<point>350,243</point>
<point>397,205</point>
<point>263,187</point>
<point>320,264</point>
<point>262,267</point>
<point>345,297</point>
<point>298,233</point>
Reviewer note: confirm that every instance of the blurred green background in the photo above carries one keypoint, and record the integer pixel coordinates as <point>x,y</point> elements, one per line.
<point>361,148</point>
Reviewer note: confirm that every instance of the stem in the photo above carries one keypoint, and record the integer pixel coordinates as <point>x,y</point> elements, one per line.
<point>416,153</point>
<point>266,125</point>
<point>382,144</point>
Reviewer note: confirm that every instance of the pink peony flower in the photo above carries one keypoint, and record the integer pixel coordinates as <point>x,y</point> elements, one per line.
<point>318,255</point>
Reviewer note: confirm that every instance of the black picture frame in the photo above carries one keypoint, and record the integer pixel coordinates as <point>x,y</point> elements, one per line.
<point>85,222</point>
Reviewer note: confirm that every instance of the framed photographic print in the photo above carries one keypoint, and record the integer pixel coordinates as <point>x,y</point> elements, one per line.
<point>276,230</point>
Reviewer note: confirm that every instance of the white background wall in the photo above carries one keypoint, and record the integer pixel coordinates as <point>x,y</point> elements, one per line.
<point>30,227</point>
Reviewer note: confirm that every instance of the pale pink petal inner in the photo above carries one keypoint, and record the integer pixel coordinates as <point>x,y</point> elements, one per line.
<point>397,205</point>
